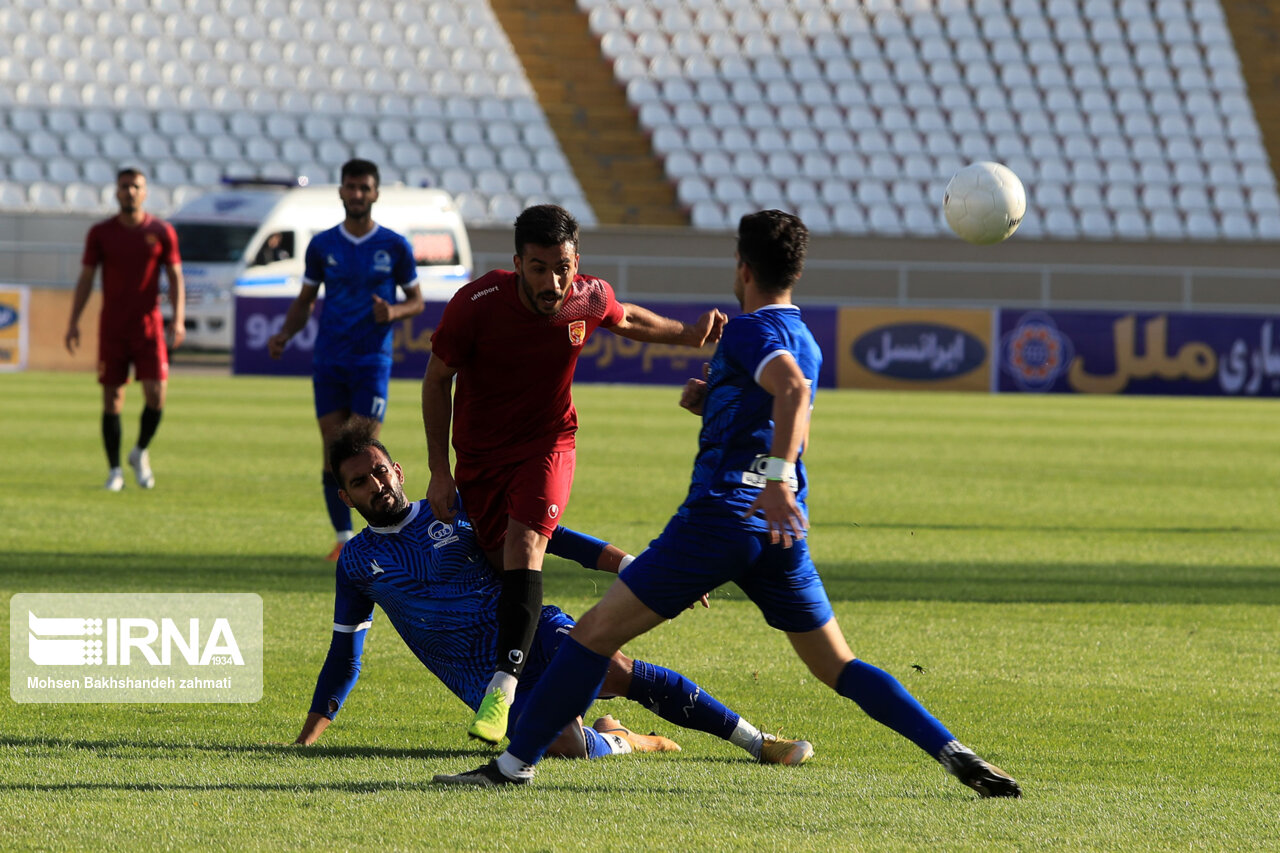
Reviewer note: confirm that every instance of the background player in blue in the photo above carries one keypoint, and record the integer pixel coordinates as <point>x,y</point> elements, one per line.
<point>435,584</point>
<point>360,264</point>
<point>744,520</point>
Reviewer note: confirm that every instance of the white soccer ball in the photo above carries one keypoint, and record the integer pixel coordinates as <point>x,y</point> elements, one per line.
<point>984,203</point>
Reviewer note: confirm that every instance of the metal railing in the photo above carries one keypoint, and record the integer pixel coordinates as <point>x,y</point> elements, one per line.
<point>1193,280</point>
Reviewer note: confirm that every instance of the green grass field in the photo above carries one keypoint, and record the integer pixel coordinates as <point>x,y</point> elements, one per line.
<point>1092,586</point>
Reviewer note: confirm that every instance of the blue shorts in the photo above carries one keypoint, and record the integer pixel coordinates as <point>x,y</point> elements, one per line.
<point>690,559</point>
<point>553,627</point>
<point>359,389</point>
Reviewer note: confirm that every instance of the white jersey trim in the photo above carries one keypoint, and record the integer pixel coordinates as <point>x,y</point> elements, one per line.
<point>351,629</point>
<point>342,227</point>
<point>768,358</point>
<point>414,509</point>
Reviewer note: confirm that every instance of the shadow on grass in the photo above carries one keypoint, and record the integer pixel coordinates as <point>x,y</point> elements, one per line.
<point>314,751</point>
<point>883,580</point>
<point>290,750</point>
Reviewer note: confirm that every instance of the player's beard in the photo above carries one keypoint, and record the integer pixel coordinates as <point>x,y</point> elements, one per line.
<point>539,305</point>
<point>382,513</point>
<point>358,210</point>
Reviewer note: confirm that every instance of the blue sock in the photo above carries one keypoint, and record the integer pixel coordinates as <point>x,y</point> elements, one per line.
<point>677,699</point>
<point>339,513</point>
<point>597,746</point>
<point>886,701</point>
<point>566,690</point>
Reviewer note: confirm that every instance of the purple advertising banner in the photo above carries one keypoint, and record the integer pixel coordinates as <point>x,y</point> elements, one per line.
<point>1110,352</point>
<point>606,357</point>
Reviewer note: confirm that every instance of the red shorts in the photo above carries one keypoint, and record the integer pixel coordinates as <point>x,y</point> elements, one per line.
<point>139,344</point>
<point>533,492</point>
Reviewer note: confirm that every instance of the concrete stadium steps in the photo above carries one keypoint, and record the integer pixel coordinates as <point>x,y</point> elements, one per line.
<point>597,129</point>
<point>1255,29</point>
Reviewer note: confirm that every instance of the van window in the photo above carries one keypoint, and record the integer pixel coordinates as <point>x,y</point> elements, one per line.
<point>277,247</point>
<point>200,242</point>
<point>433,248</point>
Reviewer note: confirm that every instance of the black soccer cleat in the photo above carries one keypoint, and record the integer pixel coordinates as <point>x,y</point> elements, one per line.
<point>987,779</point>
<point>485,776</point>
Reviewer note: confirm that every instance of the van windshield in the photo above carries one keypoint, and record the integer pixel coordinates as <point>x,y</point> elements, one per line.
<point>200,242</point>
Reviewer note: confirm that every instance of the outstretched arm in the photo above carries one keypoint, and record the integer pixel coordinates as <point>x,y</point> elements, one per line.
<point>592,553</point>
<point>337,677</point>
<point>641,324</point>
<point>586,550</point>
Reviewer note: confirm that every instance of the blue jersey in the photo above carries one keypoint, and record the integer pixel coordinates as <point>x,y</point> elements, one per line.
<point>435,585</point>
<point>737,419</point>
<point>352,270</point>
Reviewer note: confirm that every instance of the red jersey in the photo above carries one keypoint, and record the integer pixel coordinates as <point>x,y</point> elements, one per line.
<point>131,260</point>
<point>515,367</point>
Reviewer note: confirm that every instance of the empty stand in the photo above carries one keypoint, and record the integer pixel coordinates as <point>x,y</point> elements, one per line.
<point>1091,106</point>
<point>193,89</point>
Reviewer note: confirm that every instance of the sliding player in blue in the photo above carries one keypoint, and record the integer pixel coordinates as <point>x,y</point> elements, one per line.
<point>434,583</point>
<point>744,520</point>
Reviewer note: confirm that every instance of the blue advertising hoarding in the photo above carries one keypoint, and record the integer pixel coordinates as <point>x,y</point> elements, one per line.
<point>605,357</point>
<point>1114,352</point>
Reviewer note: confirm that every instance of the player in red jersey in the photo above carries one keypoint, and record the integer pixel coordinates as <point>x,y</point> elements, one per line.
<point>131,247</point>
<point>512,339</point>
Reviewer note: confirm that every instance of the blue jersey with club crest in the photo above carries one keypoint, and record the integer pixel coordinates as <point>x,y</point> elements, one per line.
<point>737,415</point>
<point>352,270</point>
<point>435,585</point>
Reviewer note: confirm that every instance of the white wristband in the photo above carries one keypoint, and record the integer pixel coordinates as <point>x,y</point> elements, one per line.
<point>778,470</point>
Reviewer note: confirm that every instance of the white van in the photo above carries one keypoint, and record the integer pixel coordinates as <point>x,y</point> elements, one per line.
<point>252,236</point>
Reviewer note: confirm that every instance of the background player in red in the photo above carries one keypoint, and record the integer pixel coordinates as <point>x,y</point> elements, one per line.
<point>512,339</point>
<point>131,247</point>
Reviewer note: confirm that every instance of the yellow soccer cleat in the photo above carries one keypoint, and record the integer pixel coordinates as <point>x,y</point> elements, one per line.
<point>490,723</point>
<point>780,750</point>
<point>607,725</point>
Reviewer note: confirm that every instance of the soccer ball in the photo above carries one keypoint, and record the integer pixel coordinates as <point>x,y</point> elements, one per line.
<point>984,202</point>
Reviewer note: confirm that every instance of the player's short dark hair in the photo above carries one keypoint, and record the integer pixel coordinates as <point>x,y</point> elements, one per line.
<point>130,172</point>
<point>350,442</point>
<point>773,244</point>
<point>358,168</point>
<point>545,225</point>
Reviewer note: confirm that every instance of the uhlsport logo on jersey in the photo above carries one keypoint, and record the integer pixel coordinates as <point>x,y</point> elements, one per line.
<point>577,332</point>
<point>192,647</point>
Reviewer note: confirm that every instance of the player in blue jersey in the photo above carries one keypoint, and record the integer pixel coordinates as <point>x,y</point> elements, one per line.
<point>433,581</point>
<point>744,520</point>
<point>360,263</point>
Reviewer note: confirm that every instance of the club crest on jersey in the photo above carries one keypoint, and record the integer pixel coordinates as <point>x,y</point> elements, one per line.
<point>441,534</point>
<point>577,332</point>
<point>382,261</point>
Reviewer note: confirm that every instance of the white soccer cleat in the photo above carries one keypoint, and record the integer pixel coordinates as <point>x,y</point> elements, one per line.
<point>115,480</point>
<point>140,462</point>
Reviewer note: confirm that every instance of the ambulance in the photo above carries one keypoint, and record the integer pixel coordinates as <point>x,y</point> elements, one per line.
<point>250,237</point>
